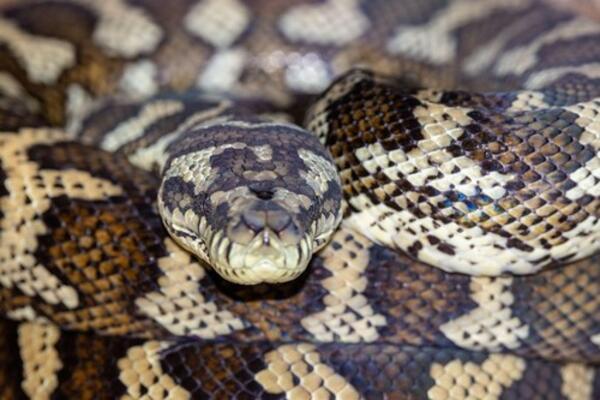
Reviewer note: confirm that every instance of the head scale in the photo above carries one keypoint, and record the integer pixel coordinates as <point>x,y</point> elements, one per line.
<point>253,199</point>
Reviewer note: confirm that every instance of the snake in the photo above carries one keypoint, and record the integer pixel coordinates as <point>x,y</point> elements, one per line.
<point>333,199</point>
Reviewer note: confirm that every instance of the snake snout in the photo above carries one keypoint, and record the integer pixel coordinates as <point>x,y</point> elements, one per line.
<point>268,219</point>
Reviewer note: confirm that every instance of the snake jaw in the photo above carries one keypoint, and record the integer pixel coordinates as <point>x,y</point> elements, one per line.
<point>265,259</point>
<point>186,237</point>
<point>263,242</point>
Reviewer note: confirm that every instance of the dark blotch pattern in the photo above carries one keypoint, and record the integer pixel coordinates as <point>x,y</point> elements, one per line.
<point>10,375</point>
<point>3,190</point>
<point>540,149</point>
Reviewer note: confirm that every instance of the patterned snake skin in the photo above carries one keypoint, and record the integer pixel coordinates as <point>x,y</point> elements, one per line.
<point>100,302</point>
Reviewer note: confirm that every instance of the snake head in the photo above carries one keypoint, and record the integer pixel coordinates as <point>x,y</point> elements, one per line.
<point>253,199</point>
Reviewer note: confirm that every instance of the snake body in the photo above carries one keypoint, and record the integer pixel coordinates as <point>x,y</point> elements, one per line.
<point>468,183</point>
<point>174,128</point>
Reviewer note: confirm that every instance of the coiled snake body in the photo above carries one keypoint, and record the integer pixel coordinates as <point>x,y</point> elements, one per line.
<point>463,174</point>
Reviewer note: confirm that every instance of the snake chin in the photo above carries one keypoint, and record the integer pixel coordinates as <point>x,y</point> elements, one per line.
<point>266,258</point>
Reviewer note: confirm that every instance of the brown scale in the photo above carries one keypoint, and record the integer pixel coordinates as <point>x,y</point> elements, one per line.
<point>237,371</point>
<point>276,311</point>
<point>12,299</point>
<point>540,147</point>
<point>371,113</point>
<point>94,69</point>
<point>180,56</point>
<point>420,298</point>
<point>164,126</point>
<point>414,299</point>
<point>98,123</point>
<point>589,8</point>
<point>3,189</point>
<point>10,377</point>
<point>417,300</point>
<point>87,363</point>
<point>107,250</point>
<point>106,259</point>
<point>218,370</point>
<point>376,369</point>
<point>62,156</point>
<point>564,307</point>
<point>15,115</point>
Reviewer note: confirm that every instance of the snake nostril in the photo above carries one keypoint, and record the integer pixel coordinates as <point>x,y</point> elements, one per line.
<point>255,220</point>
<point>278,220</point>
<point>264,194</point>
<point>275,220</point>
